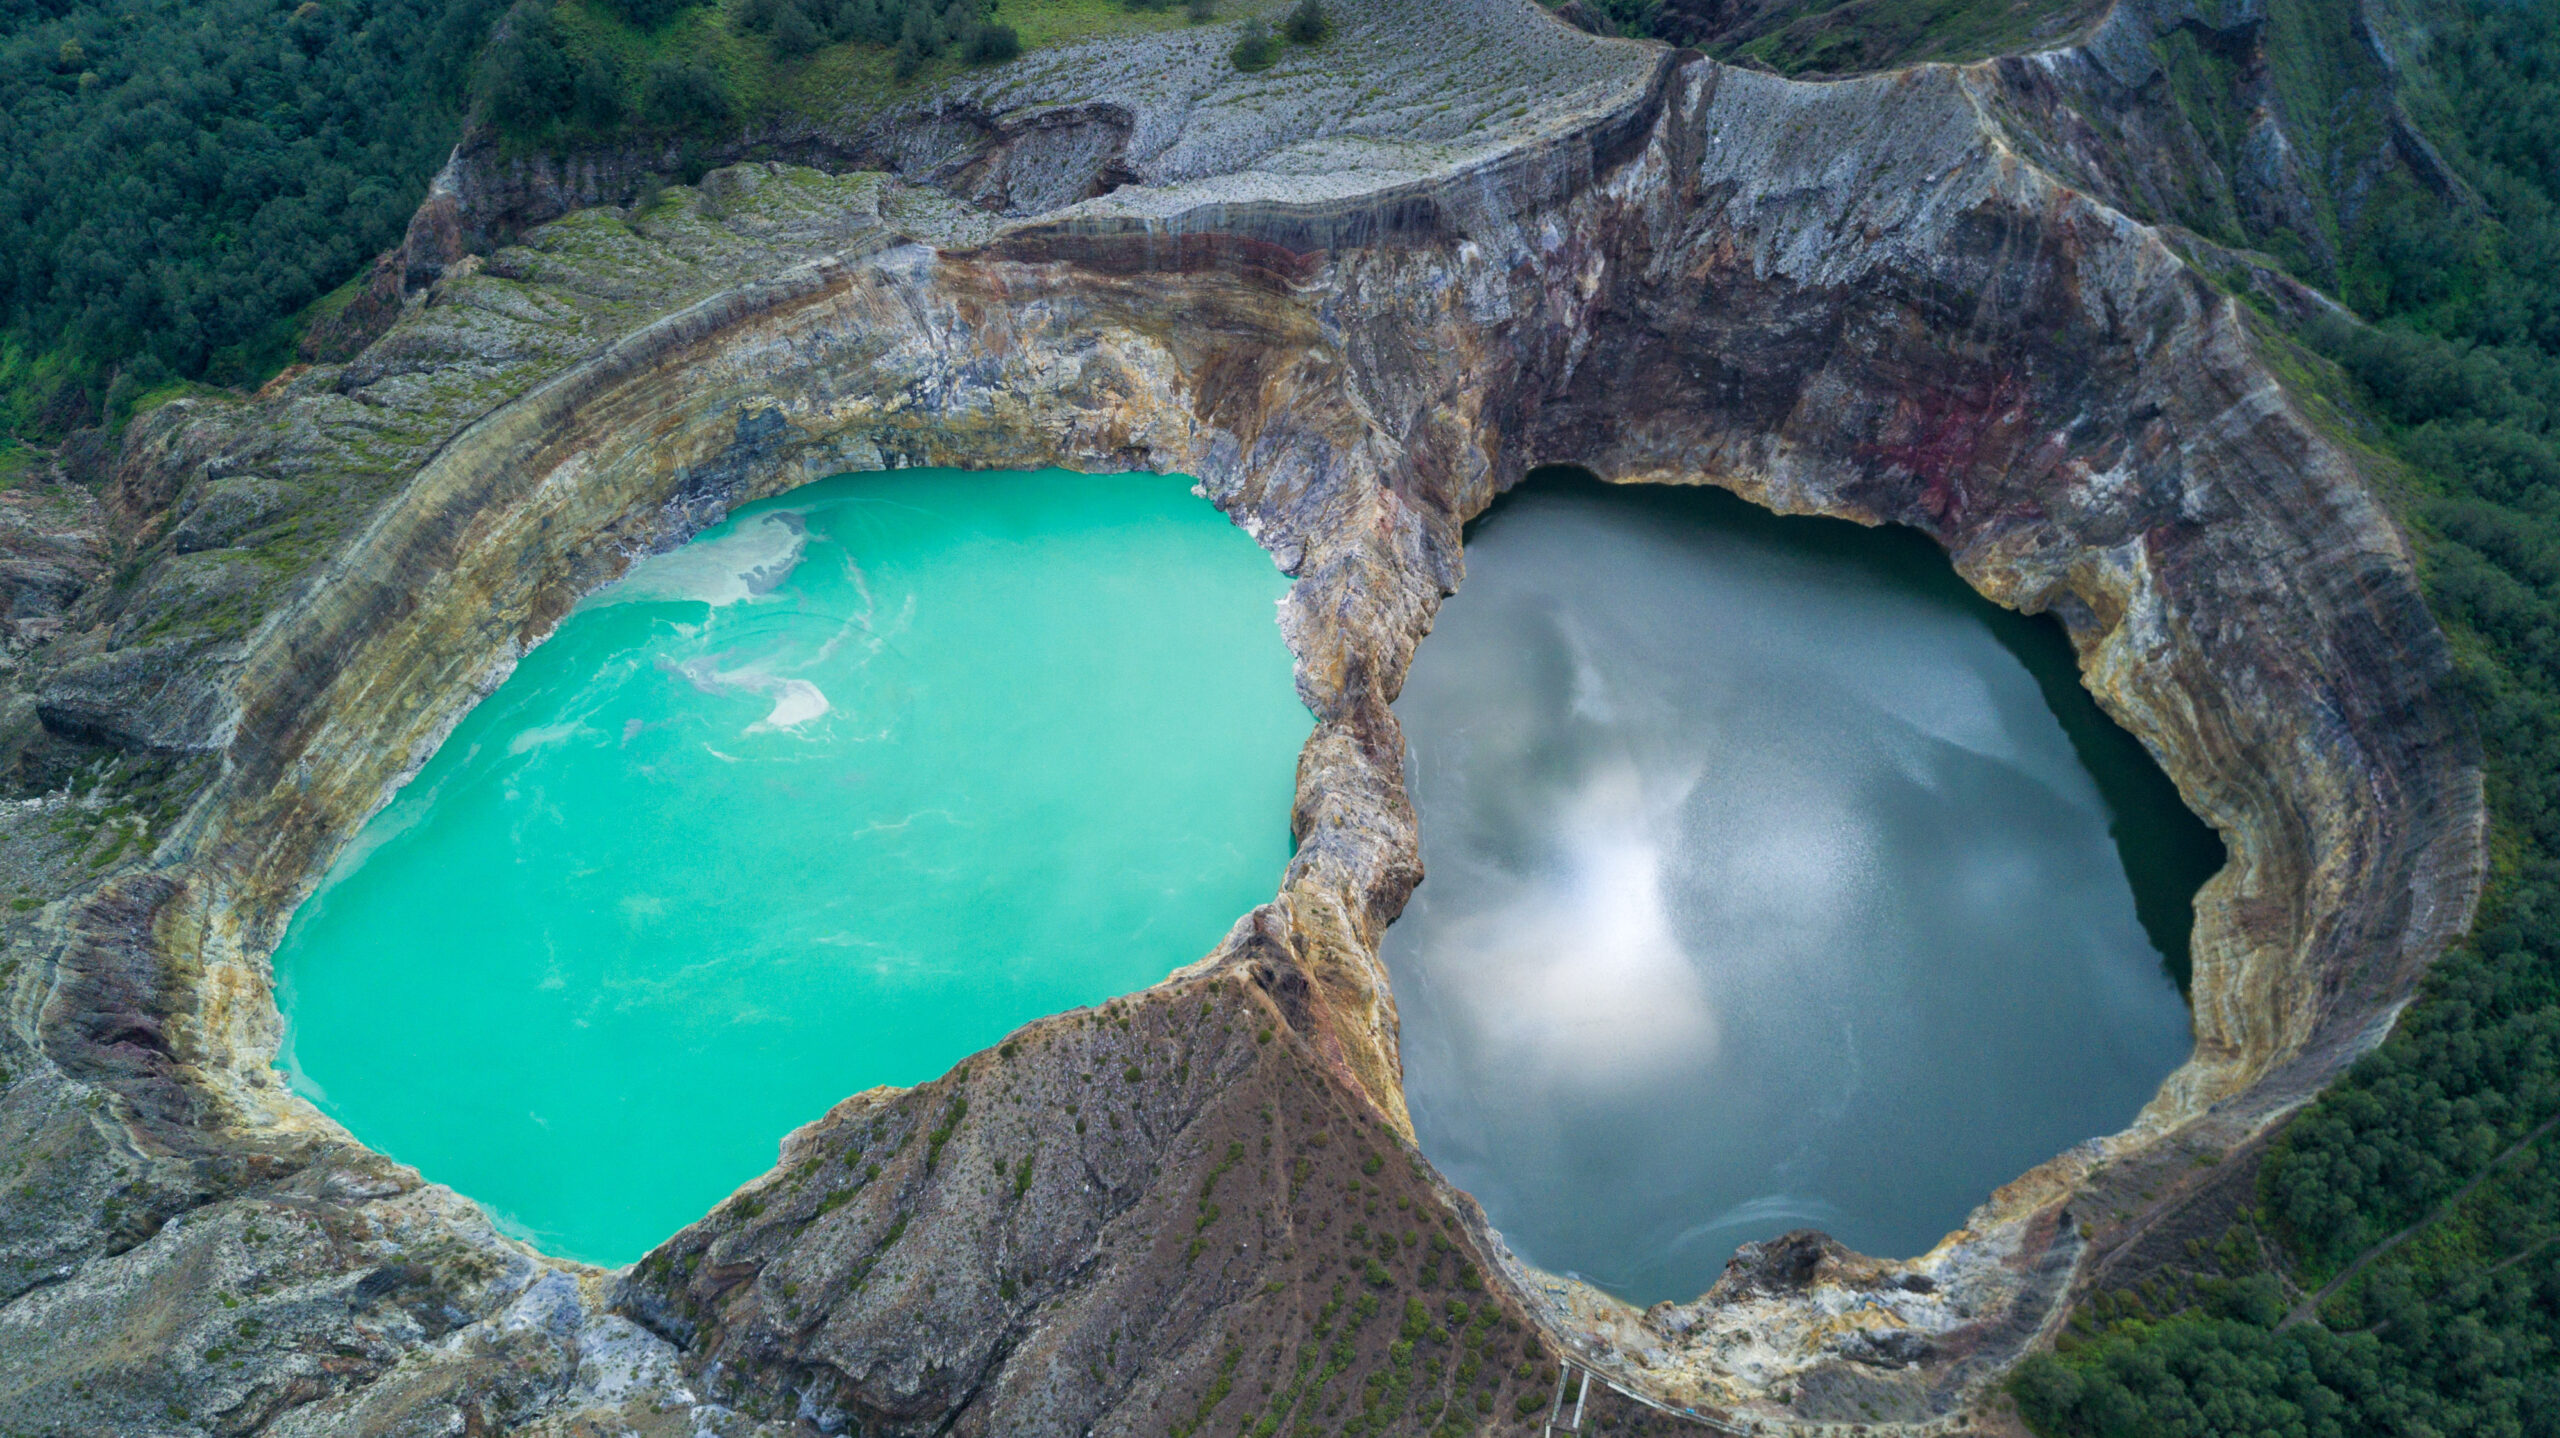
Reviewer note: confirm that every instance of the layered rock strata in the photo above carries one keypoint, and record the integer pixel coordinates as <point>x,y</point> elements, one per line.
<point>1200,1205</point>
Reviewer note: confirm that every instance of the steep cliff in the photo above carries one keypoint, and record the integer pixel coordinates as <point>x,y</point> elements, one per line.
<point>1200,1205</point>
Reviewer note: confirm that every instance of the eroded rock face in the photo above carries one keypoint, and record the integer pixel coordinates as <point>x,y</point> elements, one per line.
<point>1855,298</point>
<point>1072,1233</point>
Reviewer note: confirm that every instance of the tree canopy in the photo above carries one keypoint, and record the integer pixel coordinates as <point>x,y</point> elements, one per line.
<point>177,176</point>
<point>2447,1127</point>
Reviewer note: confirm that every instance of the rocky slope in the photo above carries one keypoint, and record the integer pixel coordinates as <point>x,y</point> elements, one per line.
<point>1198,1208</point>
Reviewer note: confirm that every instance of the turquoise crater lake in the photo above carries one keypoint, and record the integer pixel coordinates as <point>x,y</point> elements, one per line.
<point>857,782</point>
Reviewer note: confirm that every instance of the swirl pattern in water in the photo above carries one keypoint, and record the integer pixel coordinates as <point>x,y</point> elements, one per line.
<point>848,788</point>
<point>1765,891</point>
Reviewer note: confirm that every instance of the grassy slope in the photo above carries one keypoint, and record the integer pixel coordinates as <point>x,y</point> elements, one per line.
<point>837,84</point>
<point>1847,36</point>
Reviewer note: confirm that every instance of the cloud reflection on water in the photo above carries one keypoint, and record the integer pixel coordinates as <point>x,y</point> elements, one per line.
<point>1761,894</point>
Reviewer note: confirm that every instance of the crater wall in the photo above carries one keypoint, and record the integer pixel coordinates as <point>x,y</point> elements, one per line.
<point>1855,298</point>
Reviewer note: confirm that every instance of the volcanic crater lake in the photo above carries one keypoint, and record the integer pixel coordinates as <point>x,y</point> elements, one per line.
<point>1775,880</point>
<point>848,788</point>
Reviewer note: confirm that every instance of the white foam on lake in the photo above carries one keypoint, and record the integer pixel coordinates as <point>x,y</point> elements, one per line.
<point>750,561</point>
<point>795,702</point>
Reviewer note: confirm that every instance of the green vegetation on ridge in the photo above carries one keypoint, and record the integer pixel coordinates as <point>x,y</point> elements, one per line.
<point>582,72</point>
<point>585,73</point>
<point>1842,37</point>
<point>2401,1273</point>
<point>186,185</point>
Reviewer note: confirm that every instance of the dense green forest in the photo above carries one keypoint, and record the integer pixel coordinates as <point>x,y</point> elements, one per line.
<point>2447,1130</point>
<point>179,177</point>
<point>185,183</point>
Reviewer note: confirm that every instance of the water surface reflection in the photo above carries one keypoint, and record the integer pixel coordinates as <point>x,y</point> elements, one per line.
<point>1767,889</point>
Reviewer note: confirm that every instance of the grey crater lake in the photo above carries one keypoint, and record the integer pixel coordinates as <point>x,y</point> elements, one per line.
<point>1775,881</point>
